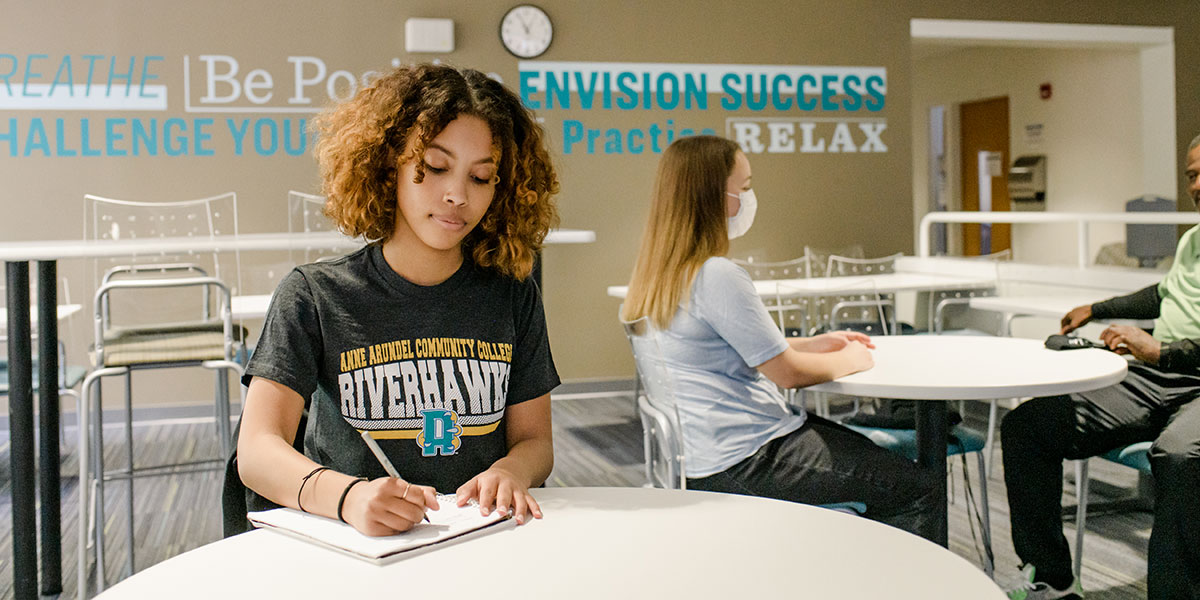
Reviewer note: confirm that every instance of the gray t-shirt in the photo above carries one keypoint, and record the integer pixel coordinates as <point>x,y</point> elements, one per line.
<point>727,409</point>
<point>428,370</point>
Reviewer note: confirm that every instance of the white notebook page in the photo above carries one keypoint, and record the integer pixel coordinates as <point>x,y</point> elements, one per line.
<point>449,522</point>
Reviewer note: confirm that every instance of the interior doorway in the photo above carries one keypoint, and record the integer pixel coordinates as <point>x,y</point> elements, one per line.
<point>983,129</point>
<point>1058,79</point>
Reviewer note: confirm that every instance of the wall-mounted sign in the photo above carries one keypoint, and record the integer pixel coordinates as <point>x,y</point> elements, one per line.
<point>765,108</point>
<point>124,104</point>
<point>1033,133</point>
<point>215,104</point>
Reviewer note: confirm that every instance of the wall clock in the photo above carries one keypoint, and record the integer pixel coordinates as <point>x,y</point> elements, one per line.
<point>526,31</point>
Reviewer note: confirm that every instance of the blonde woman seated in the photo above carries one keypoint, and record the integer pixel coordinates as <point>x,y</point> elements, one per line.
<point>726,356</point>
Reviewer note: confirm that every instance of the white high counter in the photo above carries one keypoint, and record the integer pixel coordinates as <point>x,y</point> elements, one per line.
<point>1082,222</point>
<point>884,283</point>
<point>65,249</point>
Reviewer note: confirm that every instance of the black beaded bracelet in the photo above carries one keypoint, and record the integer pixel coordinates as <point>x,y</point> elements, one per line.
<point>345,492</point>
<point>304,481</point>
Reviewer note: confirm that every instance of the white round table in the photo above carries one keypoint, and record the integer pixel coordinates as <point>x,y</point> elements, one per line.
<point>951,367</point>
<point>960,367</point>
<point>598,543</point>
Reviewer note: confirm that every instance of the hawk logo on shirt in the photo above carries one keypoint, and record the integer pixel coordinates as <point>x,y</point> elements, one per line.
<point>440,434</point>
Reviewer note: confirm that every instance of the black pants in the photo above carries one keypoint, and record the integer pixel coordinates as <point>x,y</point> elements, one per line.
<point>1148,405</point>
<point>826,463</point>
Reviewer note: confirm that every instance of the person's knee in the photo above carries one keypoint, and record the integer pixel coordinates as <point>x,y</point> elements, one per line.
<point>1021,421</point>
<point>1172,453</point>
<point>1035,419</point>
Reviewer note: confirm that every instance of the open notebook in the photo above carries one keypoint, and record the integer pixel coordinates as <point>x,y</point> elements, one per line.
<point>448,523</point>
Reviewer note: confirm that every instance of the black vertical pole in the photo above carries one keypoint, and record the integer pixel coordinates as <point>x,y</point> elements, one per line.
<point>48,411</point>
<point>932,436</point>
<point>20,426</point>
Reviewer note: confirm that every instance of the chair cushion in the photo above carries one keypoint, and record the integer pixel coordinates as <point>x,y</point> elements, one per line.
<point>1136,456</point>
<point>120,331</point>
<point>850,508</point>
<point>904,441</point>
<point>127,348</point>
<point>166,343</point>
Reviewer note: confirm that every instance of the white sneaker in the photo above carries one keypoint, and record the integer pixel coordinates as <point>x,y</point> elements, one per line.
<point>1029,589</point>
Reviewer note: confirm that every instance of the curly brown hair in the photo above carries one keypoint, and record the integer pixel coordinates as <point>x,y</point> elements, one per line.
<point>362,144</point>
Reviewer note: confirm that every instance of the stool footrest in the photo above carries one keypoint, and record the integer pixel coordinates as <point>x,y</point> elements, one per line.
<point>212,464</point>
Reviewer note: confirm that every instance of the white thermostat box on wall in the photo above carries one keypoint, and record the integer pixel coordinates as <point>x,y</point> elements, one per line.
<point>429,35</point>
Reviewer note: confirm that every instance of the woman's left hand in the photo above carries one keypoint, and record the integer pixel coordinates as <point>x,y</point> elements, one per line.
<point>500,489</point>
<point>836,340</point>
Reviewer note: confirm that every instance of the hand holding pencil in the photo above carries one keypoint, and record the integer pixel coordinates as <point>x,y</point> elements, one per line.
<point>387,505</point>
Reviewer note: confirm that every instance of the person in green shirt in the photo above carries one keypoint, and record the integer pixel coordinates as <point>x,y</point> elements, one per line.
<point>1155,402</point>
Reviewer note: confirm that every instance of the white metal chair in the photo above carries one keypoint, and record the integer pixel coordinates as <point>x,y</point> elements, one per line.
<point>818,258</point>
<point>662,438</point>
<point>153,312</point>
<point>792,313</point>
<point>305,215</point>
<point>796,268</point>
<point>861,311</point>
<point>662,433</point>
<point>869,312</point>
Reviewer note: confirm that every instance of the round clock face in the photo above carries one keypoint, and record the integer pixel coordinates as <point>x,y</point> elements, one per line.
<point>526,31</point>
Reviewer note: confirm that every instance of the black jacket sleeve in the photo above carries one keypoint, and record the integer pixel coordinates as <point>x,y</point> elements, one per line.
<point>1142,304</point>
<point>1180,356</point>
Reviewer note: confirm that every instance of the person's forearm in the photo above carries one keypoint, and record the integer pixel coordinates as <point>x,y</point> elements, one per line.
<point>274,469</point>
<point>810,368</point>
<point>529,460</point>
<point>799,344</point>
<point>1142,304</point>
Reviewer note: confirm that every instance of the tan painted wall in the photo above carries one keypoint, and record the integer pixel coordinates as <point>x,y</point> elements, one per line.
<point>816,199</point>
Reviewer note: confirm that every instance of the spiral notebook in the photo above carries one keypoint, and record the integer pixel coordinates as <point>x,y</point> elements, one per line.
<point>451,522</point>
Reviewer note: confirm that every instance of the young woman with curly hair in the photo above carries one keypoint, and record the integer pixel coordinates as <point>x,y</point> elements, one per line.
<point>432,338</point>
<point>726,358</point>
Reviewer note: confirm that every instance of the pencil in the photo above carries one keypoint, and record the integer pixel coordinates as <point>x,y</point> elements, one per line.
<point>383,459</point>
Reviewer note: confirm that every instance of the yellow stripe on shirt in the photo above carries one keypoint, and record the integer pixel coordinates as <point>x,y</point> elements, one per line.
<point>411,434</point>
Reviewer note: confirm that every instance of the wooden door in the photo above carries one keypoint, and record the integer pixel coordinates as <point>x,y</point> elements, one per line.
<point>984,127</point>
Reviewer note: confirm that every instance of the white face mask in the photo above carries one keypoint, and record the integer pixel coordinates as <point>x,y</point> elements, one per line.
<point>740,223</point>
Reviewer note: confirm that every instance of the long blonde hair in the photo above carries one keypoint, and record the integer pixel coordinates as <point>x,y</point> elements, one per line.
<point>687,226</point>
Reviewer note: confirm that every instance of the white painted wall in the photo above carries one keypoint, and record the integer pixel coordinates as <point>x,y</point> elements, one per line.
<point>1095,132</point>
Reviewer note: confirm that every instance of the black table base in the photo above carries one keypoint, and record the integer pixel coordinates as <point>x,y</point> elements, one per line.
<point>932,437</point>
<point>21,431</point>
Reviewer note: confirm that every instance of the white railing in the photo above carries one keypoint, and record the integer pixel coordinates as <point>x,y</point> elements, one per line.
<point>1082,221</point>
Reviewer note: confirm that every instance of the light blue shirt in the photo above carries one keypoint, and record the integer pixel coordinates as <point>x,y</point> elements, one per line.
<point>727,409</point>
